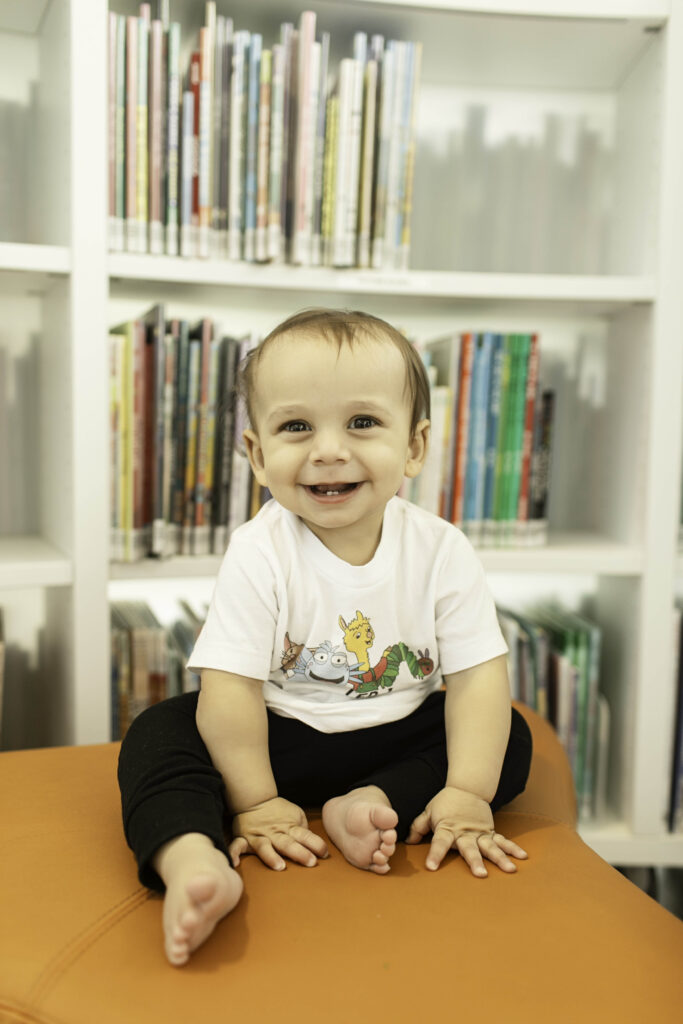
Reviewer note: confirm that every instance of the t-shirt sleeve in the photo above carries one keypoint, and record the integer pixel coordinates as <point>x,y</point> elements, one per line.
<point>239,631</point>
<point>467,628</point>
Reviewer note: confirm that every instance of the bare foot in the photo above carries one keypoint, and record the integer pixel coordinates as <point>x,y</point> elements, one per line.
<point>362,824</point>
<point>201,888</point>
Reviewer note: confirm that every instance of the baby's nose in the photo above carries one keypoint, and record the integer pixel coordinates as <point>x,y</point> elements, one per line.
<point>330,446</point>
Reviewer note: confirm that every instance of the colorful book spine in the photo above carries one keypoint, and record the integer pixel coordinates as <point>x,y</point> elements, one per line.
<point>142,115</point>
<point>319,156</point>
<point>274,242</point>
<point>237,150</point>
<point>205,132</point>
<point>263,158</point>
<point>307,73</point>
<point>173,140</point>
<point>493,418</point>
<point>131,133</point>
<point>156,133</point>
<point>367,163</point>
<point>187,177</point>
<point>473,513</point>
<point>527,440</point>
<point>514,455</point>
<point>462,430</point>
<point>386,92</point>
<point>254,86</point>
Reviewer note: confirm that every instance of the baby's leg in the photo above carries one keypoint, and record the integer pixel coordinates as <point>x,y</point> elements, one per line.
<point>173,813</point>
<point>362,824</point>
<point>201,888</point>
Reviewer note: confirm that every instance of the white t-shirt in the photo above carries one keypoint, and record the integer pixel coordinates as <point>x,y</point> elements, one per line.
<point>339,646</point>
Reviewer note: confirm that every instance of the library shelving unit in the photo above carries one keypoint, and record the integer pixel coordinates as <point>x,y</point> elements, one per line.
<point>547,197</point>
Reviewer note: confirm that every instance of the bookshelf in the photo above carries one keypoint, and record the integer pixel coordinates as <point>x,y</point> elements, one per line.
<point>602,287</point>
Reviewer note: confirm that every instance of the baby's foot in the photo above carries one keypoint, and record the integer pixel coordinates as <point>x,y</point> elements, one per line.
<point>362,824</point>
<point>201,888</point>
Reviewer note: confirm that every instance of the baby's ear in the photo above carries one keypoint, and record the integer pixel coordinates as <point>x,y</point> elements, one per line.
<point>255,455</point>
<point>417,449</point>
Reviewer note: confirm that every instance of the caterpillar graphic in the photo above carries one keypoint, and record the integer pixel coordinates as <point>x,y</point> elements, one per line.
<point>381,677</point>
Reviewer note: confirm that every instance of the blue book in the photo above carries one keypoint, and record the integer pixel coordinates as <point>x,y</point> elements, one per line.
<point>477,437</point>
<point>255,46</point>
<point>492,418</point>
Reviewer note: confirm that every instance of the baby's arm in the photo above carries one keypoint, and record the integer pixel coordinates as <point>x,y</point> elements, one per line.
<point>477,731</point>
<point>232,721</point>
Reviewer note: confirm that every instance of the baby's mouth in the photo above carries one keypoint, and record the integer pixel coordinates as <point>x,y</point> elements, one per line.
<point>331,490</point>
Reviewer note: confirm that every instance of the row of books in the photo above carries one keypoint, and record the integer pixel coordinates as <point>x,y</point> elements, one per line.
<point>260,152</point>
<point>179,484</point>
<point>148,658</point>
<point>554,667</point>
<point>676,800</point>
<point>492,425</point>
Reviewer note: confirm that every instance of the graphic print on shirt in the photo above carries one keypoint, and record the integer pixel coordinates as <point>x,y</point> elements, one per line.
<point>329,663</point>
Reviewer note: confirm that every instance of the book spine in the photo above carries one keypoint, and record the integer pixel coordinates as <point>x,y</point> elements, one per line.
<point>168,545</point>
<point>254,85</point>
<point>343,162</point>
<point>305,134</point>
<point>155,131</point>
<point>288,38</point>
<point>142,169</point>
<point>392,227</point>
<point>201,537</point>
<point>276,154</point>
<point>329,178</point>
<point>173,140</point>
<point>476,455</point>
<point>355,137</point>
<point>541,463</point>
<point>463,426</point>
<point>195,89</point>
<point>409,168</point>
<point>136,548</point>
<point>501,439</point>
<point>180,433</point>
<point>367,163</point>
<point>217,117</point>
<point>192,407</point>
<point>131,133</point>
<point>493,417</point>
<point>226,110</point>
<point>205,131</point>
<point>527,440</point>
<point>187,177</point>
<point>111,126</point>
<point>517,438</point>
<point>319,158</point>
<point>237,117</point>
<point>263,161</point>
<point>386,92</point>
<point>509,442</point>
<point>210,474</point>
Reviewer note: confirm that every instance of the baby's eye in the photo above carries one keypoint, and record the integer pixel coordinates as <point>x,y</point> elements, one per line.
<point>294,426</point>
<point>363,422</point>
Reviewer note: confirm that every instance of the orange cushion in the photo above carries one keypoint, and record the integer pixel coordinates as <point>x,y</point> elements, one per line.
<point>565,939</point>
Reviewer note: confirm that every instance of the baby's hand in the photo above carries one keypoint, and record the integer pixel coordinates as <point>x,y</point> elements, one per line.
<point>272,828</point>
<point>463,821</point>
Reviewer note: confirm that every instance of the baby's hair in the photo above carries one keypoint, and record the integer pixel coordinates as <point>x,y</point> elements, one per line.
<point>345,327</point>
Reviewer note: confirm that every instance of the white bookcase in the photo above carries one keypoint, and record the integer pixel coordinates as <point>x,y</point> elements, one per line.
<point>547,197</point>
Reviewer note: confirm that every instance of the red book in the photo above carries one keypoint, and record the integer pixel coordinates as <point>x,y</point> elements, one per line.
<point>463,423</point>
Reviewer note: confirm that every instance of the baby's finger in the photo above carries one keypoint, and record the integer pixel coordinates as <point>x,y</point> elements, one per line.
<point>293,850</point>
<point>315,843</point>
<point>419,828</point>
<point>468,848</point>
<point>512,849</point>
<point>442,842</point>
<point>265,851</point>
<point>237,849</point>
<point>493,852</point>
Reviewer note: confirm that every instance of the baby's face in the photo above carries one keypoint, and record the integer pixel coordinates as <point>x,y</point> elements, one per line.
<point>332,433</point>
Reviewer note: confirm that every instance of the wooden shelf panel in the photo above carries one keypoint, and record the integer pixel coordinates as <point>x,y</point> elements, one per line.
<point>616,843</point>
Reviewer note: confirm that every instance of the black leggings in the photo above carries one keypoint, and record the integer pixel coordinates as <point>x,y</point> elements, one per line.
<point>169,785</point>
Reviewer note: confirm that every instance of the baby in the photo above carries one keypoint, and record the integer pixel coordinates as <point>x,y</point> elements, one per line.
<point>339,613</point>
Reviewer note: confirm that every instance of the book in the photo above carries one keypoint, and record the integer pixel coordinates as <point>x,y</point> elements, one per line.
<point>263,158</point>
<point>253,89</point>
<point>174,100</point>
<point>541,461</point>
<point>462,427</point>
<point>156,138</point>
<point>142,134</point>
<point>473,501</point>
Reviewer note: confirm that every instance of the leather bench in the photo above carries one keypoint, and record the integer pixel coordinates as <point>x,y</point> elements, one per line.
<point>565,939</point>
